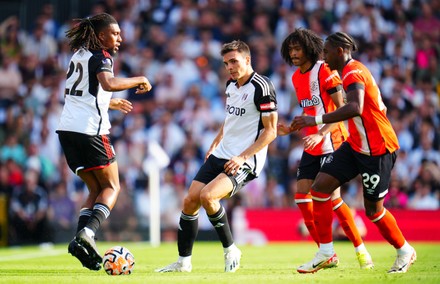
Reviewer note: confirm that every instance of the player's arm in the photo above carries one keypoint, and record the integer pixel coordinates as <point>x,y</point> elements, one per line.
<point>312,140</point>
<point>215,143</point>
<point>122,105</point>
<point>114,84</point>
<point>268,134</point>
<point>283,129</point>
<point>353,107</point>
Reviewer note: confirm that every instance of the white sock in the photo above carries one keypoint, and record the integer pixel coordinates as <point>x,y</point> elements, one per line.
<point>230,248</point>
<point>185,260</point>
<point>406,248</point>
<point>360,247</point>
<point>327,249</point>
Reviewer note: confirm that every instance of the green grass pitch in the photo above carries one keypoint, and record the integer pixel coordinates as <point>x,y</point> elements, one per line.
<point>272,263</point>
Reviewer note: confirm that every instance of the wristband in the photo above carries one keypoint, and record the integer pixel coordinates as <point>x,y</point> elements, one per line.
<point>318,119</point>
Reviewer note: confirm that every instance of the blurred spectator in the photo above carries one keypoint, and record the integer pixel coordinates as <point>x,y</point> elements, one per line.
<point>10,81</point>
<point>39,43</point>
<point>396,197</point>
<point>427,23</point>
<point>167,133</point>
<point>123,226</point>
<point>423,198</point>
<point>11,149</point>
<point>28,212</point>
<point>61,214</point>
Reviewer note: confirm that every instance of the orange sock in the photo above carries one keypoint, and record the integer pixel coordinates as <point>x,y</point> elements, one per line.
<point>322,214</point>
<point>387,225</point>
<point>346,220</point>
<point>304,202</point>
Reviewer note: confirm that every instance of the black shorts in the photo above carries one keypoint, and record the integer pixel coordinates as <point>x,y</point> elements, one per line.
<point>309,166</point>
<point>345,164</point>
<point>86,152</point>
<point>215,166</point>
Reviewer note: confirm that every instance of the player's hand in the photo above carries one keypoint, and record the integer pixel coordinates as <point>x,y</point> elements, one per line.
<point>283,129</point>
<point>143,87</point>
<point>300,122</point>
<point>312,140</point>
<point>233,165</point>
<point>121,104</point>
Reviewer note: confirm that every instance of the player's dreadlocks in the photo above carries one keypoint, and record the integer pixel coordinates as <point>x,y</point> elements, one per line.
<point>343,40</point>
<point>311,44</point>
<point>85,32</point>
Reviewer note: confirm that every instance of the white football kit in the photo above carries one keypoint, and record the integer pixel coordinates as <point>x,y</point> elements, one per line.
<point>86,103</point>
<point>244,108</point>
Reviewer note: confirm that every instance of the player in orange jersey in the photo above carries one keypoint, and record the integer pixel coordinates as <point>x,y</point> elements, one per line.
<point>370,151</point>
<point>318,90</point>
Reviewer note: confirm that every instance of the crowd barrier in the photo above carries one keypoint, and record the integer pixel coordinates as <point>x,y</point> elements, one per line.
<point>285,224</point>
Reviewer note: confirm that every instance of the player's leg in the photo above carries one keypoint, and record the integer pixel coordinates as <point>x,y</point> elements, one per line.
<point>188,228</point>
<point>303,200</point>
<point>308,168</point>
<point>376,174</point>
<point>322,214</point>
<point>103,183</point>
<point>345,217</point>
<point>76,147</point>
<point>336,170</point>
<point>221,187</point>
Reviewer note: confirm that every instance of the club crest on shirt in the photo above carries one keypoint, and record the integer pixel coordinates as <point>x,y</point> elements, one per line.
<point>314,86</point>
<point>244,97</point>
<point>107,61</point>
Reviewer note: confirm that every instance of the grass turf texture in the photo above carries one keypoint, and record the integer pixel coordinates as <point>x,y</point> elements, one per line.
<point>273,263</point>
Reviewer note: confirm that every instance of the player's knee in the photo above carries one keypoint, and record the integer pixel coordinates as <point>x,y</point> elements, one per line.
<point>190,205</point>
<point>206,198</point>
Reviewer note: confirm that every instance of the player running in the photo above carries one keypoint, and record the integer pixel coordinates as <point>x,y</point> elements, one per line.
<point>84,125</point>
<point>236,156</point>
<point>370,150</point>
<point>319,91</point>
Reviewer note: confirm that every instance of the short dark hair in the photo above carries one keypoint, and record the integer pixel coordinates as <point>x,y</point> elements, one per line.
<point>310,42</point>
<point>344,40</point>
<point>236,45</point>
<point>85,31</point>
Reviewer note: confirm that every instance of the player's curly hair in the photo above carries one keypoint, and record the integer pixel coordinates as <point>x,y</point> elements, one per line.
<point>85,32</point>
<point>236,45</point>
<point>311,44</point>
<point>341,39</point>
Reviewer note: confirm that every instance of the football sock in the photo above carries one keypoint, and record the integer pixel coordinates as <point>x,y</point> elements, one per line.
<point>185,260</point>
<point>343,212</point>
<point>305,205</point>
<point>387,225</point>
<point>327,248</point>
<point>230,248</point>
<point>84,215</point>
<point>360,247</point>
<point>323,216</point>
<point>99,214</point>
<point>220,222</point>
<point>406,248</point>
<point>187,233</point>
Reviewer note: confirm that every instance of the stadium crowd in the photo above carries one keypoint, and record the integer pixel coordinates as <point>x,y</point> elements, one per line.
<point>176,45</point>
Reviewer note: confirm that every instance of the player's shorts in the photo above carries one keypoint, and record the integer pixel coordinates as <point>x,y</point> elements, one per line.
<point>309,166</point>
<point>345,164</point>
<point>215,166</point>
<point>86,152</point>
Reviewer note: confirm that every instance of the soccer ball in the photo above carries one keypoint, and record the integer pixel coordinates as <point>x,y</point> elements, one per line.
<point>118,261</point>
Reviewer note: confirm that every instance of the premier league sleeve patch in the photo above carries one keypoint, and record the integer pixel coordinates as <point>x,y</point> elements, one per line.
<point>266,104</point>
